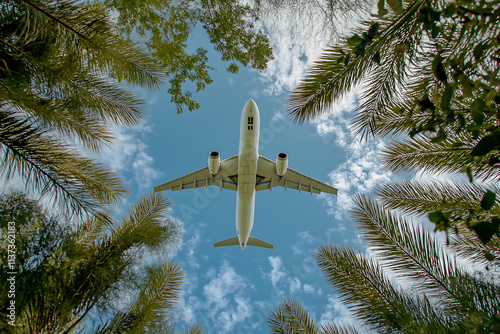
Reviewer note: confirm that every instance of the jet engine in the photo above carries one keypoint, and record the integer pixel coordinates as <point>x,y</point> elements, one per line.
<point>213,162</point>
<point>281,164</point>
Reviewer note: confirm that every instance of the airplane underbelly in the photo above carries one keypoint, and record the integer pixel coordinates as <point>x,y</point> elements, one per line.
<point>245,215</point>
<point>245,201</point>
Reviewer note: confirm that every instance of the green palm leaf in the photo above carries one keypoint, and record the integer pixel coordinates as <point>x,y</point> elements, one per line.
<point>144,223</point>
<point>406,249</point>
<point>470,248</point>
<point>331,328</point>
<point>54,169</point>
<point>291,317</point>
<point>328,79</point>
<point>148,310</point>
<point>196,329</point>
<point>82,31</point>
<point>414,254</point>
<point>449,155</point>
<point>420,198</point>
<point>367,291</point>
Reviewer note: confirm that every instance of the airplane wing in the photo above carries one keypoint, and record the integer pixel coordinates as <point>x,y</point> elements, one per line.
<point>267,178</point>
<point>226,178</point>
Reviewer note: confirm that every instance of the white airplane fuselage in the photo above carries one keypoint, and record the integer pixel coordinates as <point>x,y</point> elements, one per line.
<point>248,157</point>
<point>247,173</point>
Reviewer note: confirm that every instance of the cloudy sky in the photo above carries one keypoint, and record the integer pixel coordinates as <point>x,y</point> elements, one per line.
<point>226,289</point>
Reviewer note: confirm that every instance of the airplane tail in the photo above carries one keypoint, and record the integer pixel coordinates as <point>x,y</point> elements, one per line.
<point>234,241</point>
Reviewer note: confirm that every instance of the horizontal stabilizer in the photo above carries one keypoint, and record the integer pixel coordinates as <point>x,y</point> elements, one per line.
<point>228,242</point>
<point>258,243</point>
<point>234,241</point>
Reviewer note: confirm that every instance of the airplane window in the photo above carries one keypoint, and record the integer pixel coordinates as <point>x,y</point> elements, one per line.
<point>250,120</point>
<point>250,127</point>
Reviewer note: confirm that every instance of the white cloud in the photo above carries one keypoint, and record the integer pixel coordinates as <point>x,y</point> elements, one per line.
<point>224,303</point>
<point>129,153</point>
<point>277,271</point>
<point>223,284</point>
<point>306,236</point>
<point>360,173</point>
<point>295,285</point>
<point>229,318</point>
<point>335,311</point>
<point>191,245</point>
<point>296,43</point>
<point>309,289</point>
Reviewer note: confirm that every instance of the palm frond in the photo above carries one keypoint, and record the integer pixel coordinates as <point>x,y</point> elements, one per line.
<point>329,80</point>
<point>469,247</point>
<point>89,230</point>
<point>363,286</point>
<point>412,253</point>
<point>196,329</point>
<point>60,116</point>
<point>85,31</point>
<point>291,317</point>
<point>148,310</point>
<point>395,112</point>
<point>406,249</point>
<point>449,155</point>
<point>332,328</point>
<point>76,183</point>
<point>144,222</point>
<point>388,84</point>
<point>419,198</point>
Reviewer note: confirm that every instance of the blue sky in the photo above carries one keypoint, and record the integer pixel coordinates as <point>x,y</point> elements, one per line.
<point>226,289</point>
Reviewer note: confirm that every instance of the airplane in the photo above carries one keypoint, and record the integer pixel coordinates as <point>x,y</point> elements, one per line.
<point>247,173</point>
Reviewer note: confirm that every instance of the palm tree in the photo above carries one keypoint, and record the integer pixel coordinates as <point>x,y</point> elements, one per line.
<point>428,78</point>
<point>292,318</point>
<point>64,273</point>
<point>338,71</point>
<point>410,284</point>
<point>60,63</point>
<point>417,68</point>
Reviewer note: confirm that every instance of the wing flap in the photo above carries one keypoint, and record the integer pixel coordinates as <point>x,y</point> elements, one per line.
<point>287,185</point>
<point>227,178</point>
<point>267,178</point>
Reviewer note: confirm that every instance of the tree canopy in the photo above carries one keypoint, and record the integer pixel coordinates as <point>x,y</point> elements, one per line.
<point>428,78</point>
<point>430,73</point>
<point>60,62</point>
<point>65,271</point>
<point>164,28</point>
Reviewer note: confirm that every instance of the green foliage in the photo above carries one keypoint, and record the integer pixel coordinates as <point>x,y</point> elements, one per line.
<point>65,271</point>
<point>431,69</point>
<point>410,282</point>
<point>54,168</point>
<point>60,64</point>
<point>291,317</point>
<point>166,26</point>
<point>439,295</point>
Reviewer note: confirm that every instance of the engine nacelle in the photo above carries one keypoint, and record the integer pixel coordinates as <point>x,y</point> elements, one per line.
<point>281,164</point>
<point>213,162</point>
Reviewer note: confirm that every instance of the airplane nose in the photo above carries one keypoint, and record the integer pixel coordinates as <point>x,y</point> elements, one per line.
<point>242,246</point>
<point>250,105</point>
